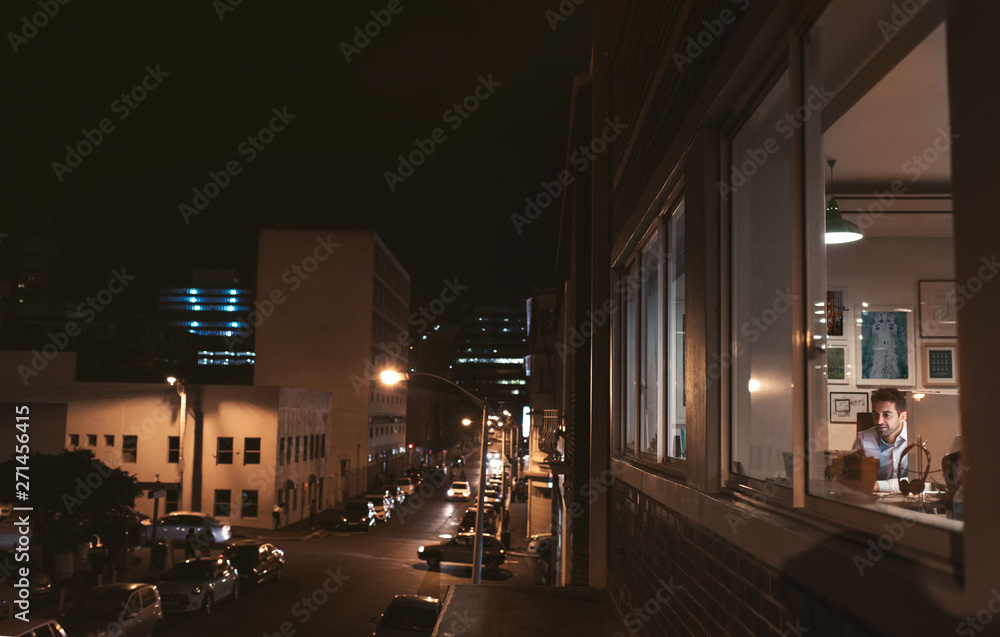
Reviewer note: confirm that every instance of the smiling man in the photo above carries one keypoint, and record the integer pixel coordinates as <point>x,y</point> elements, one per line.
<point>887,439</point>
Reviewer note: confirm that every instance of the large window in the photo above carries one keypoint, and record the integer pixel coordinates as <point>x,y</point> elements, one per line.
<point>223,503</point>
<point>251,451</point>
<point>224,450</point>
<point>173,449</point>
<point>130,449</point>
<point>885,304</point>
<point>650,295</point>
<point>248,508</point>
<point>759,352</point>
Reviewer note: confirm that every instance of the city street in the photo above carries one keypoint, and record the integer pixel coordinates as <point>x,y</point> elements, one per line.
<point>334,583</point>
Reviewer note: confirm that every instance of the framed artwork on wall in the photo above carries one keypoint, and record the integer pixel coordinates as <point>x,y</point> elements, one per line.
<point>838,366</point>
<point>885,346</point>
<point>835,327</point>
<point>845,406</point>
<point>939,362</point>
<point>938,312</point>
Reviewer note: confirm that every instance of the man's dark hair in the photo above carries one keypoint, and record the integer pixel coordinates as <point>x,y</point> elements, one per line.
<point>889,395</point>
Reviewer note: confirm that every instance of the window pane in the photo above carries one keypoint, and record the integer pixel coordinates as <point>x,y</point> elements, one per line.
<point>761,337</point>
<point>651,401</point>
<point>249,508</point>
<point>251,451</point>
<point>676,438</point>
<point>222,503</point>
<point>130,448</point>
<point>630,320</point>
<point>173,449</point>
<point>224,451</point>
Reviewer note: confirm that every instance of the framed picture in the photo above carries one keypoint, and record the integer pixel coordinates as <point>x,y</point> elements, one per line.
<point>835,314</point>
<point>938,314</point>
<point>939,362</point>
<point>838,366</point>
<point>885,346</point>
<point>845,406</point>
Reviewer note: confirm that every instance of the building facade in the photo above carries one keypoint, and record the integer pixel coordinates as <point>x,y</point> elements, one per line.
<point>489,353</point>
<point>232,452</point>
<point>331,311</point>
<point>742,344</point>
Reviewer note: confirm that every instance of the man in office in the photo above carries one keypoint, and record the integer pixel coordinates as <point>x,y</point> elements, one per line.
<point>887,439</point>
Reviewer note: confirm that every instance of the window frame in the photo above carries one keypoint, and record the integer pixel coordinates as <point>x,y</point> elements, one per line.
<point>251,455</point>
<point>222,508</point>
<point>130,449</point>
<point>222,455</point>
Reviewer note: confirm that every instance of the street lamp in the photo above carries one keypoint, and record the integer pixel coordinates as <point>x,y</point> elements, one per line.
<point>390,377</point>
<point>178,384</point>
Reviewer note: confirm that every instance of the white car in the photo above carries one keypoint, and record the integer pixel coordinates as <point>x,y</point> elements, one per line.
<point>31,628</point>
<point>459,490</point>
<point>198,584</point>
<point>406,485</point>
<point>175,526</point>
<point>382,504</point>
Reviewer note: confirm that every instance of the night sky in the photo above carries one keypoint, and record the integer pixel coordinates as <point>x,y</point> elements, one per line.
<point>201,79</point>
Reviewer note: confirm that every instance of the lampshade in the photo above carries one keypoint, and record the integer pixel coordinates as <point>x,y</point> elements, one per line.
<point>838,229</point>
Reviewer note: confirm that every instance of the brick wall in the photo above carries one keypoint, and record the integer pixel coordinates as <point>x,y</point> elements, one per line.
<point>669,576</point>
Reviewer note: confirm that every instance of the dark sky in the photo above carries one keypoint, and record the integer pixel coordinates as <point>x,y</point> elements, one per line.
<point>216,83</point>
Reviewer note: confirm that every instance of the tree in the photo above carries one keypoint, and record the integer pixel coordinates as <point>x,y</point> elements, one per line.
<point>72,494</point>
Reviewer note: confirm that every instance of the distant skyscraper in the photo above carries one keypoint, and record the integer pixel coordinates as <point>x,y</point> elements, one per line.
<point>490,351</point>
<point>215,308</point>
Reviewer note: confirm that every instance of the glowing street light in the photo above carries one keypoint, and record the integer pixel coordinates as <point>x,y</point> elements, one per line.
<point>391,377</point>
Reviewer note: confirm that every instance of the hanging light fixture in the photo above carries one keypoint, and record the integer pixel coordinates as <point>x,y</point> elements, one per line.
<point>838,229</point>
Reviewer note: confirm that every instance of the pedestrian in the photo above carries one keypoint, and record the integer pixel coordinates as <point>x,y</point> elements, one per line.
<point>276,513</point>
<point>190,544</point>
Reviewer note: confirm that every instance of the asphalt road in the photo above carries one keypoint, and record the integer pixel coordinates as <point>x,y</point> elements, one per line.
<point>334,584</point>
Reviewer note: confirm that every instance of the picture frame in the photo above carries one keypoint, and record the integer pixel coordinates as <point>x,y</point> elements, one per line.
<point>939,364</point>
<point>885,343</point>
<point>938,309</point>
<point>836,327</point>
<point>838,364</point>
<point>845,406</point>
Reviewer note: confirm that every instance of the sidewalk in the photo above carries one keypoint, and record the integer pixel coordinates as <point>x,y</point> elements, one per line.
<point>527,611</point>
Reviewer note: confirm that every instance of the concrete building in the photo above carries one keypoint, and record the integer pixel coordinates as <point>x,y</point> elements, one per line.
<point>733,368</point>
<point>237,451</point>
<point>332,309</point>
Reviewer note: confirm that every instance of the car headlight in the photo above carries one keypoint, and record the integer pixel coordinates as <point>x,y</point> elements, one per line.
<point>420,549</point>
<point>196,590</point>
<point>450,492</point>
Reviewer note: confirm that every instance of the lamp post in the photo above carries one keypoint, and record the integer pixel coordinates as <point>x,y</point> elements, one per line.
<point>390,377</point>
<point>178,384</point>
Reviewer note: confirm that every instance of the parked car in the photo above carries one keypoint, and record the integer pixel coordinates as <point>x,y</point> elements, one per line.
<point>406,485</point>
<point>31,628</point>
<point>408,616</point>
<point>174,528</point>
<point>197,584</point>
<point>491,521</point>
<point>460,549</point>
<point>459,490</point>
<point>381,503</point>
<point>39,583</point>
<point>131,609</point>
<point>358,514</point>
<point>255,561</point>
